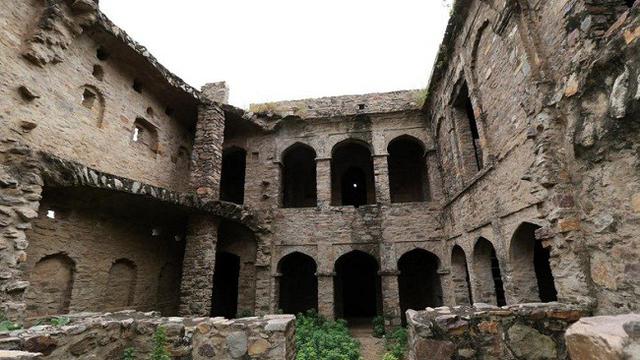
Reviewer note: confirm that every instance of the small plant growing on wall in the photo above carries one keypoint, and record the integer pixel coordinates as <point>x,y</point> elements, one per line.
<point>160,351</point>
<point>8,325</point>
<point>59,321</point>
<point>129,354</point>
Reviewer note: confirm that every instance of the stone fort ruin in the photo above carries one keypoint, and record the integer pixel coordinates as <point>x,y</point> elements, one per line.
<point>512,178</point>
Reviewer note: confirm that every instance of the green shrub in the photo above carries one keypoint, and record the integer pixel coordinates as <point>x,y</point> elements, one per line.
<point>378,326</point>
<point>389,356</point>
<point>396,344</point>
<point>160,345</point>
<point>59,321</point>
<point>245,313</point>
<point>320,339</point>
<point>129,354</point>
<point>8,325</point>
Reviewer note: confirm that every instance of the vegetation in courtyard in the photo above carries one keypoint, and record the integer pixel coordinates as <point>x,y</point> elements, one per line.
<point>396,344</point>
<point>321,339</point>
<point>378,326</point>
<point>160,351</point>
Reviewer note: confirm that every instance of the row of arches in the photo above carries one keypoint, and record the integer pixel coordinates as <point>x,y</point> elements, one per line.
<point>53,278</point>
<point>357,287</point>
<point>352,174</point>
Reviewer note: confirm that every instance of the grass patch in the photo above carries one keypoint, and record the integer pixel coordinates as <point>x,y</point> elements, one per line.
<point>321,339</point>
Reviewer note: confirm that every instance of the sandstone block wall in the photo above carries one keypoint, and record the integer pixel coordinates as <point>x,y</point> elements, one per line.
<point>526,331</point>
<point>107,336</point>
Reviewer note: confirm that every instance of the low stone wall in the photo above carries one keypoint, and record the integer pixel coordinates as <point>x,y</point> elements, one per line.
<point>106,336</point>
<point>525,331</point>
<point>605,338</point>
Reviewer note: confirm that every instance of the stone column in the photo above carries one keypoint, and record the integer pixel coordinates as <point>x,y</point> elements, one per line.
<point>200,249</point>
<point>263,289</point>
<point>325,294</point>
<point>433,173</point>
<point>323,181</point>
<point>198,266</point>
<point>390,298</point>
<point>381,174</point>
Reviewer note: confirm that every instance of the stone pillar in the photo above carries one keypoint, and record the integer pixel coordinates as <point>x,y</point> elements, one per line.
<point>433,173</point>
<point>323,181</point>
<point>381,174</point>
<point>390,298</point>
<point>325,294</point>
<point>198,266</point>
<point>263,289</point>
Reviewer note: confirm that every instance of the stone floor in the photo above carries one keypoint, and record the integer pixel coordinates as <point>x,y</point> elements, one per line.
<point>371,347</point>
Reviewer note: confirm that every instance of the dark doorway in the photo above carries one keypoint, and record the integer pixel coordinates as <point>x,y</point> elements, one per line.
<point>357,286</point>
<point>225,285</point>
<point>531,273</point>
<point>352,181</point>
<point>298,284</point>
<point>407,170</point>
<point>232,175</point>
<point>460,276</point>
<point>354,187</point>
<point>488,277</point>
<point>299,177</point>
<point>419,282</point>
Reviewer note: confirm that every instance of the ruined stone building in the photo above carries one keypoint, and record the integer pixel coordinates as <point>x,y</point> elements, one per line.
<point>512,178</point>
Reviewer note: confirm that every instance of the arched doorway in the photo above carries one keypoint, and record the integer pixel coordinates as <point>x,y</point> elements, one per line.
<point>460,276</point>
<point>299,177</point>
<point>298,284</point>
<point>419,282</point>
<point>531,273</point>
<point>487,273</point>
<point>234,282</point>
<point>407,170</point>
<point>121,285</point>
<point>357,286</point>
<point>232,175</point>
<point>225,285</point>
<point>51,284</point>
<point>352,181</point>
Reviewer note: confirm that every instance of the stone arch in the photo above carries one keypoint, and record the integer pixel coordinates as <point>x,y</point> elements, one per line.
<point>419,282</point>
<point>488,277</point>
<point>121,284</point>
<point>531,271</point>
<point>232,174</point>
<point>298,283</point>
<point>480,33</point>
<point>460,276</point>
<point>51,285</point>
<point>352,181</point>
<point>299,176</point>
<point>234,280</point>
<point>407,169</point>
<point>357,286</point>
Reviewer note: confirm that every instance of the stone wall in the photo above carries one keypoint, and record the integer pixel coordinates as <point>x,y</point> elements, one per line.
<point>68,89</point>
<point>106,336</point>
<point>604,337</point>
<point>525,331</point>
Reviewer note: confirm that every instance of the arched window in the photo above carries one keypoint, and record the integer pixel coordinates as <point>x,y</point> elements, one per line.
<point>357,286</point>
<point>299,177</point>
<point>488,276</point>
<point>51,285</point>
<point>145,135</point>
<point>232,175</point>
<point>419,282</point>
<point>460,275</point>
<point>352,181</point>
<point>407,170</point>
<point>468,133</point>
<point>531,274</point>
<point>121,285</point>
<point>298,284</point>
<point>234,280</point>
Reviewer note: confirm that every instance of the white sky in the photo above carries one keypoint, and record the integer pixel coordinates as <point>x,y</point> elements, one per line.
<point>269,50</point>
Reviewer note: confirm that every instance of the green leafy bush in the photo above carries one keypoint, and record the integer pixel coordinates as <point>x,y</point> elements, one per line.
<point>59,321</point>
<point>8,325</point>
<point>378,326</point>
<point>129,354</point>
<point>396,344</point>
<point>160,351</point>
<point>320,339</point>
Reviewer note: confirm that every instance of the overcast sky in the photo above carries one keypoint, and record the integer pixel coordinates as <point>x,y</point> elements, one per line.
<point>269,50</point>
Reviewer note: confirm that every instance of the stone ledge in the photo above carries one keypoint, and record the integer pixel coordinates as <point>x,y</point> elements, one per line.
<point>605,337</point>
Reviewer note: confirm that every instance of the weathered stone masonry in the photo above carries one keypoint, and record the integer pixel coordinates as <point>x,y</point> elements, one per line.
<point>511,179</point>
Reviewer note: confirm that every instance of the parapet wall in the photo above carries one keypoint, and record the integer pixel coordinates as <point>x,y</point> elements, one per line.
<point>525,331</point>
<point>107,336</point>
